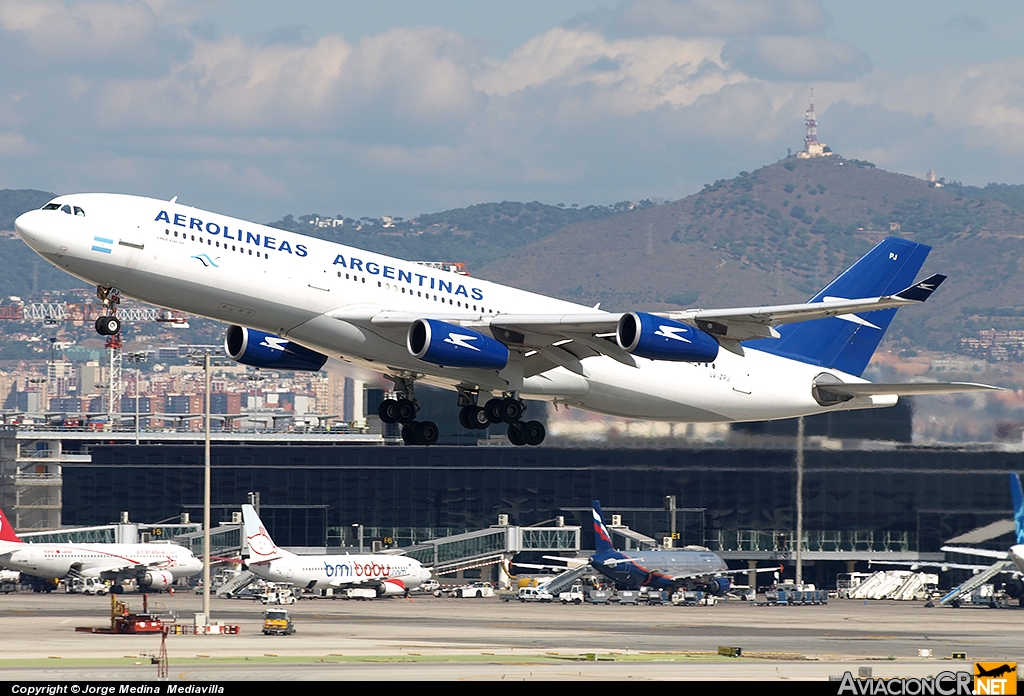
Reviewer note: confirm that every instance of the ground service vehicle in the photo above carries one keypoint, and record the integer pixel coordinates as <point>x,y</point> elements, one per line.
<point>276,622</point>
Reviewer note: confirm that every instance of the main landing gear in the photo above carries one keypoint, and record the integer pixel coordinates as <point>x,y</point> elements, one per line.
<point>403,410</point>
<point>507,409</point>
<point>108,324</point>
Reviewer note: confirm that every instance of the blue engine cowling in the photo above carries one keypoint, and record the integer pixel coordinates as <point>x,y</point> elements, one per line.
<point>262,349</point>
<point>454,346</point>
<point>719,586</point>
<point>653,337</point>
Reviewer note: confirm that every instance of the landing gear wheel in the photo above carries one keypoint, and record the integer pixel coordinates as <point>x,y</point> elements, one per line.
<point>492,409</point>
<point>427,432</point>
<point>387,411</point>
<point>108,326</point>
<point>416,433</point>
<point>405,411</point>
<point>472,417</point>
<point>533,433</point>
<point>510,410</point>
<point>515,434</point>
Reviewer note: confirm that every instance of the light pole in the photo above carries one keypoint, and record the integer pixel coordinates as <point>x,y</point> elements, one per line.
<point>206,485</point>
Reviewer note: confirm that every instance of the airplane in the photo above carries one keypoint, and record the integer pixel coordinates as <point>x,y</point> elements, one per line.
<point>691,567</point>
<point>386,574</point>
<point>153,566</point>
<point>291,301</point>
<point>1010,561</point>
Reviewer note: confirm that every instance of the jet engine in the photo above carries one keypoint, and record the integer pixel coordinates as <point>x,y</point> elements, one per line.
<point>1015,588</point>
<point>391,587</point>
<point>155,580</point>
<point>653,337</point>
<point>262,349</point>
<point>454,346</point>
<point>719,586</point>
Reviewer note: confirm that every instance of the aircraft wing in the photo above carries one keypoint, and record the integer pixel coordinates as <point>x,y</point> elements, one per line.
<point>592,329</point>
<point>744,323</point>
<point>115,570</point>
<point>717,573</point>
<point>984,553</point>
<point>914,565</point>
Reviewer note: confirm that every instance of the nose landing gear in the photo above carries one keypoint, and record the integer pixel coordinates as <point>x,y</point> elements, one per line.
<point>108,324</point>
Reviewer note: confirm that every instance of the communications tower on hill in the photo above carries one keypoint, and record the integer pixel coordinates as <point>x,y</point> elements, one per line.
<point>812,148</point>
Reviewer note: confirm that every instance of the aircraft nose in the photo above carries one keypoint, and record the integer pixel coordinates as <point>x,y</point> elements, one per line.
<point>31,228</point>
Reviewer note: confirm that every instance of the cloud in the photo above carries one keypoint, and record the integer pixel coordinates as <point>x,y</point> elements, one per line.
<point>801,58</point>
<point>701,18</point>
<point>651,98</point>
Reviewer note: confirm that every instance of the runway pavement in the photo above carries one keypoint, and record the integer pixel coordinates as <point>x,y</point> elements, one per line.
<point>444,638</point>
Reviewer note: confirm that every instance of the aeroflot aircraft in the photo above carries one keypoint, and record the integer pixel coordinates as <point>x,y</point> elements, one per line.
<point>388,575</point>
<point>152,566</point>
<point>690,567</point>
<point>293,300</point>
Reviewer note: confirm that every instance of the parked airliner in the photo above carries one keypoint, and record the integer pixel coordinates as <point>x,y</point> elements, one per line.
<point>691,567</point>
<point>384,573</point>
<point>292,301</point>
<point>152,566</point>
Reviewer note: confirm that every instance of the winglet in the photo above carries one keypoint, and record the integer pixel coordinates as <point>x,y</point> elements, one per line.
<point>1018,506</point>
<point>7,530</point>
<point>919,292</point>
<point>602,537</point>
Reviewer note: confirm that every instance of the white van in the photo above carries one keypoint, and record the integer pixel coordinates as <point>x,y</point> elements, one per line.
<point>535,594</point>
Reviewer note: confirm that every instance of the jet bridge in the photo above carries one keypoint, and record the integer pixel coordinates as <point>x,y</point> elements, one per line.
<point>489,546</point>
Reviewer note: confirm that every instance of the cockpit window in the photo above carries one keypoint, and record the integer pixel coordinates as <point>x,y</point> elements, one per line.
<point>51,206</point>
<point>79,212</point>
<point>65,209</point>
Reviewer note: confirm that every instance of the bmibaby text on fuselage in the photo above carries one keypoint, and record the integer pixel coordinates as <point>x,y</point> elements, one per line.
<point>416,323</point>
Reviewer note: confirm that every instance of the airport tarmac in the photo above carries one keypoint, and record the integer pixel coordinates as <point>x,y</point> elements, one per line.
<point>446,638</point>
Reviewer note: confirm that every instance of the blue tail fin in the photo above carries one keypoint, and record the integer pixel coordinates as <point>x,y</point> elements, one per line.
<point>602,538</point>
<point>1018,506</point>
<point>847,344</point>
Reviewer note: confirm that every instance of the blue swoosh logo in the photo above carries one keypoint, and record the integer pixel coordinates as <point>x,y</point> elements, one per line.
<point>207,261</point>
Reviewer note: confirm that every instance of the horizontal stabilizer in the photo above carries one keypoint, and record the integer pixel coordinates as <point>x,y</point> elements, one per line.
<point>876,389</point>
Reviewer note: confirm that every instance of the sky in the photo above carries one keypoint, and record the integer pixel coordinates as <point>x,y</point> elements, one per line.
<point>259,109</point>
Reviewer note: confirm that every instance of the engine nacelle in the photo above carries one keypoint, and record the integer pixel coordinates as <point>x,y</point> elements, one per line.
<point>155,580</point>
<point>653,337</point>
<point>1015,588</point>
<point>262,349</point>
<point>719,586</point>
<point>391,587</point>
<point>454,346</point>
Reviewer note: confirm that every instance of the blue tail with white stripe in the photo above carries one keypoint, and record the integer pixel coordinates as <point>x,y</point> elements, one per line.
<point>1018,506</point>
<point>847,343</point>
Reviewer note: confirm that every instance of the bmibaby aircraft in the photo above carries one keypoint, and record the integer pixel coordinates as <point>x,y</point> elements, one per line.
<point>294,300</point>
<point>386,574</point>
<point>152,566</point>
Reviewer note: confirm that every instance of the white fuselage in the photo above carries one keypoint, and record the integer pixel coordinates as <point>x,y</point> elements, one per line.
<point>302,288</point>
<point>97,560</point>
<point>396,573</point>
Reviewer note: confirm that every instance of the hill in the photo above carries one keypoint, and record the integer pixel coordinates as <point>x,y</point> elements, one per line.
<point>780,233</point>
<point>23,272</point>
<point>773,235</point>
